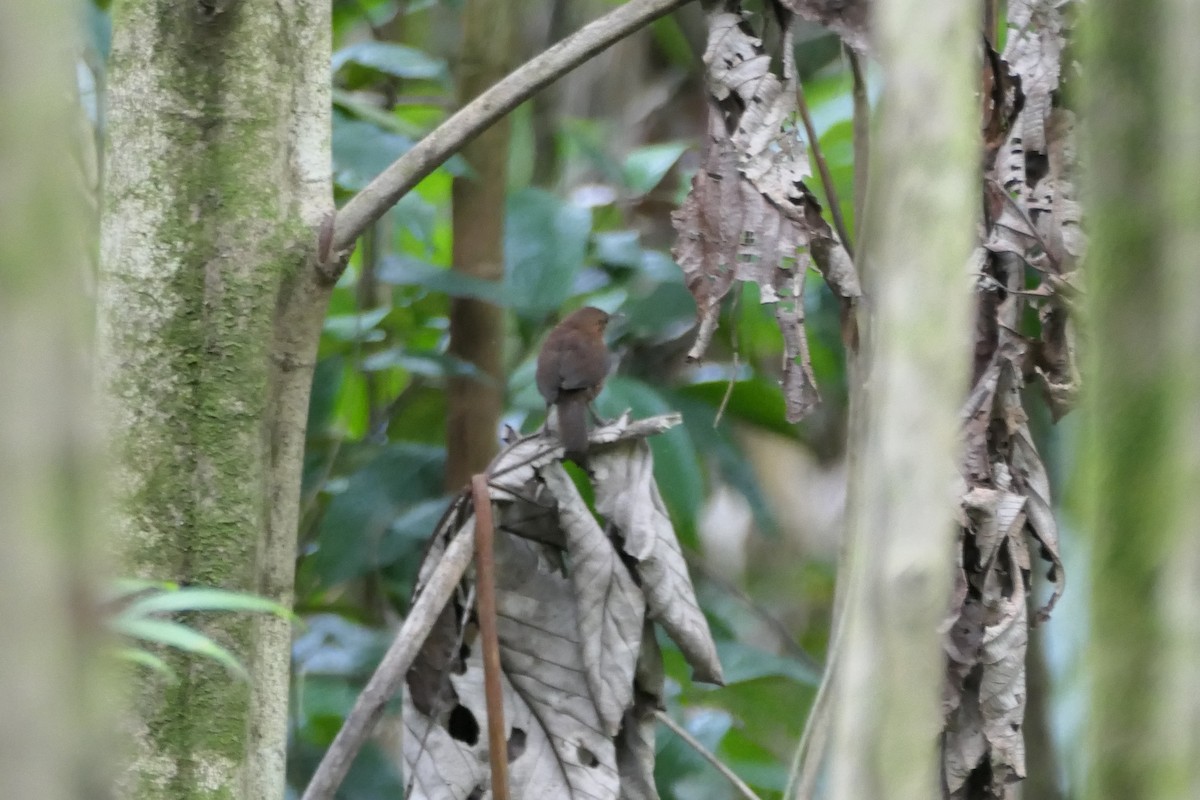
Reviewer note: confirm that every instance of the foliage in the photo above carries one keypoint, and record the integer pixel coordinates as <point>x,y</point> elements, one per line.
<point>374,460</point>
<point>598,234</point>
<point>140,618</point>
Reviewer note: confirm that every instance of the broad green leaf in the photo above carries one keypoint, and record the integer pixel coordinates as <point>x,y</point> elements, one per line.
<point>362,150</point>
<point>619,248</point>
<point>427,364</point>
<point>356,327</point>
<point>645,167</point>
<point>327,379</point>
<point>355,535</point>
<point>755,401</point>
<point>390,58</point>
<point>741,663</point>
<point>401,270</point>
<point>545,241</point>
<point>719,443</point>
<point>179,636</point>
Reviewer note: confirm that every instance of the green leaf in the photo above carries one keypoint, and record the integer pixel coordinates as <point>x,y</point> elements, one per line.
<point>357,533</point>
<point>356,327</point>
<point>645,167</point>
<point>400,270</point>
<point>123,587</point>
<point>756,401</point>
<point>362,150</point>
<point>391,59</point>
<point>741,662</point>
<point>198,599</point>
<point>327,380</point>
<point>545,241</point>
<point>619,248</point>
<point>179,636</point>
<point>676,462</point>
<point>145,658</point>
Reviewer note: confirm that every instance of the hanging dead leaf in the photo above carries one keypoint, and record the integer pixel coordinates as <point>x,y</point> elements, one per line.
<point>749,215</point>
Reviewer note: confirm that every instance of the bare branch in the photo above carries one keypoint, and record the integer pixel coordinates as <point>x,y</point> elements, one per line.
<point>472,119</point>
<point>388,677</point>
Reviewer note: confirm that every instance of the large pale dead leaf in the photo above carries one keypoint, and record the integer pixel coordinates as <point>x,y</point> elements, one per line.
<point>582,675</point>
<point>627,496</point>
<point>611,607</point>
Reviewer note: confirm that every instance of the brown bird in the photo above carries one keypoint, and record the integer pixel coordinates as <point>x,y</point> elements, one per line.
<point>571,369</point>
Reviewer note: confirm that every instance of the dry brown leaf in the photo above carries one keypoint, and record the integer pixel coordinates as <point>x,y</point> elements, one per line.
<point>849,19</point>
<point>582,674</point>
<point>749,216</point>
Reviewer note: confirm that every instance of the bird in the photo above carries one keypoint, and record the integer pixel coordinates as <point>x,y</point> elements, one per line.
<point>571,369</point>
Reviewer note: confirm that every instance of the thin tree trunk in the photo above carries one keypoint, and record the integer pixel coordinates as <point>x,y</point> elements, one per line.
<point>919,228</point>
<point>1143,405</point>
<point>48,465</point>
<point>218,178</point>
<point>476,326</point>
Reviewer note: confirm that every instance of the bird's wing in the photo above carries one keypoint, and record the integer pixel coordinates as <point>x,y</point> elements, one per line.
<point>582,365</point>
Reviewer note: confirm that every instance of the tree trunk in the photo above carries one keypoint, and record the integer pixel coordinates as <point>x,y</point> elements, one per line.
<point>217,180</point>
<point>48,520</point>
<point>1143,406</point>
<point>477,327</point>
<point>920,220</point>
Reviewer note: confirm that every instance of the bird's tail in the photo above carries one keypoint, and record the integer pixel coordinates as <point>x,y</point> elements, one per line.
<point>572,427</point>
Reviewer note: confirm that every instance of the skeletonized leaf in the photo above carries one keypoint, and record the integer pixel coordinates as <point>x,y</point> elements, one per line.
<point>1034,50</point>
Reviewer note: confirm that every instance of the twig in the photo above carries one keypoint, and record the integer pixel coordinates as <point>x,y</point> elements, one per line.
<point>485,587</point>
<point>835,208</point>
<point>729,774</point>
<point>862,137</point>
<point>390,674</point>
<point>517,87</point>
<point>736,362</point>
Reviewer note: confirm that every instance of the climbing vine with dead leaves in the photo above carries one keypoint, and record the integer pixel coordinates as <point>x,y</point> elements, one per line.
<point>1031,244</point>
<point>750,217</point>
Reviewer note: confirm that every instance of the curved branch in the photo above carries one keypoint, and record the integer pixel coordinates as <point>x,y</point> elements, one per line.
<point>472,119</point>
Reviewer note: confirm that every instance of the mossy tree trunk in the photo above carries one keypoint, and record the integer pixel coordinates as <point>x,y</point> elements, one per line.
<point>48,522</point>
<point>1143,406</point>
<point>920,220</point>
<point>217,182</point>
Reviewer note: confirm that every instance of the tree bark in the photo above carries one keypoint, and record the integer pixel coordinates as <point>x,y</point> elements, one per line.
<point>1142,410</point>
<point>476,326</point>
<point>919,228</point>
<point>218,179</point>
<point>49,678</point>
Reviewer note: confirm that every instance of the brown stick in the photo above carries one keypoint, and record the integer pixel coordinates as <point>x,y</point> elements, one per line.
<point>390,674</point>
<point>517,87</point>
<point>485,598</point>
<point>835,207</point>
<point>862,138</point>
